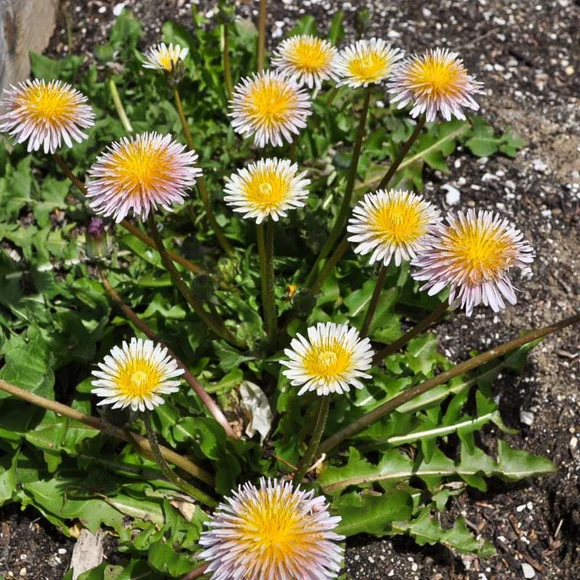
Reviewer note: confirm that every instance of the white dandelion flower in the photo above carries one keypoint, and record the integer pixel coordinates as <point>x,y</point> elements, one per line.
<point>434,82</point>
<point>306,59</point>
<point>45,114</point>
<point>139,174</point>
<point>366,62</point>
<point>390,224</point>
<point>331,360</point>
<point>165,58</point>
<point>136,375</point>
<point>269,107</point>
<point>273,532</point>
<point>268,187</point>
<point>472,254</point>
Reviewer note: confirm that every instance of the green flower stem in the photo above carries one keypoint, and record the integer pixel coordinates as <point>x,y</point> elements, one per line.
<point>214,324</point>
<point>342,217</point>
<point>203,193</point>
<point>329,266</point>
<point>266,254</point>
<point>119,106</point>
<point>402,153</point>
<point>226,61</point>
<point>184,124</point>
<point>131,228</point>
<point>313,445</point>
<point>167,471</point>
<point>331,95</point>
<point>262,34</point>
<point>198,389</point>
<point>409,335</point>
<point>465,367</point>
<point>140,442</point>
<point>379,285</point>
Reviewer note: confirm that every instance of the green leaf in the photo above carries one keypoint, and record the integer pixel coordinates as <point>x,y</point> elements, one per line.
<point>336,31</point>
<point>165,559</point>
<point>372,514</point>
<point>426,530</point>
<point>28,364</point>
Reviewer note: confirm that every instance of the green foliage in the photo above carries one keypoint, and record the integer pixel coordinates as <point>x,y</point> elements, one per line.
<point>56,321</point>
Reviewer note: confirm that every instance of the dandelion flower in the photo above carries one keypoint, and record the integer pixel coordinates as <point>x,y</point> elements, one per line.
<point>270,107</point>
<point>435,82</point>
<point>139,174</point>
<point>472,254</point>
<point>163,57</point>
<point>273,532</point>
<point>367,62</point>
<point>45,114</point>
<point>136,375</point>
<point>331,360</point>
<point>390,224</point>
<point>306,59</point>
<point>268,187</point>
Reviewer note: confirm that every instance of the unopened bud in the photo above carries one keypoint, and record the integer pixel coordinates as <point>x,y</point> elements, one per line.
<point>97,244</point>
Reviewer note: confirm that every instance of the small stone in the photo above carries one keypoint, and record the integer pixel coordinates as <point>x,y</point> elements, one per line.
<point>62,550</point>
<point>528,571</point>
<point>539,166</point>
<point>527,417</point>
<point>569,70</point>
<point>118,8</point>
<point>573,443</point>
<point>23,572</point>
<point>453,195</point>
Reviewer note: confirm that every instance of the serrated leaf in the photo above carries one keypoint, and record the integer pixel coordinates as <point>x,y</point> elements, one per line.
<point>371,514</point>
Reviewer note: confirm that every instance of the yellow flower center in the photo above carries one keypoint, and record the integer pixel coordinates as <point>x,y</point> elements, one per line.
<point>327,360</point>
<point>140,167</point>
<point>310,55</point>
<point>137,377</point>
<point>482,253</point>
<point>437,76</point>
<point>399,222</point>
<point>371,66</point>
<point>167,62</point>
<point>267,189</point>
<point>273,528</point>
<point>50,104</point>
<point>270,102</point>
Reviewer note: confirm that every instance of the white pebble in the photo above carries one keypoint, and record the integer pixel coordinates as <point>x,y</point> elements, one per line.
<point>452,196</point>
<point>526,417</point>
<point>528,571</point>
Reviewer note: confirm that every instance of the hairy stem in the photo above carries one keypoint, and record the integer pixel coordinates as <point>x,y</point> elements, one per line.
<point>119,106</point>
<point>201,186</point>
<point>265,237</point>
<point>131,228</point>
<point>167,471</point>
<point>262,34</point>
<point>342,217</point>
<point>477,361</point>
<point>214,324</point>
<point>140,442</point>
<point>196,573</point>
<point>410,334</point>
<point>372,307</point>
<point>313,445</point>
<point>402,153</point>
<point>198,389</point>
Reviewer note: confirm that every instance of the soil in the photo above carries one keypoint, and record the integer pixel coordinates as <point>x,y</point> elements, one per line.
<point>528,56</point>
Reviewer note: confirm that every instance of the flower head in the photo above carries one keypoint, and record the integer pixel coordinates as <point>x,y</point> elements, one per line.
<point>45,114</point>
<point>268,187</point>
<point>139,174</point>
<point>306,59</point>
<point>435,82</point>
<point>136,375</point>
<point>272,532</point>
<point>270,107</point>
<point>367,62</point>
<point>331,360</point>
<point>165,58</point>
<point>390,224</point>
<point>472,254</point>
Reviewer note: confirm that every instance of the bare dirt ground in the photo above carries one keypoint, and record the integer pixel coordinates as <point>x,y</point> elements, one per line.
<point>528,55</point>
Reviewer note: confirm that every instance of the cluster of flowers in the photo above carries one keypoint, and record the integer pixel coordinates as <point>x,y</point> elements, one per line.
<point>471,253</point>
